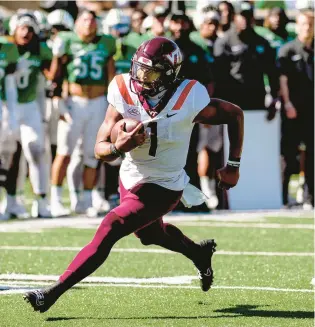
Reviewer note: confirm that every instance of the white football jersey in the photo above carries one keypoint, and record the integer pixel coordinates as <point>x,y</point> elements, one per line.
<point>162,158</point>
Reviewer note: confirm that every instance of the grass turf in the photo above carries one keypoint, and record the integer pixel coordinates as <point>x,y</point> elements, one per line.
<point>155,306</point>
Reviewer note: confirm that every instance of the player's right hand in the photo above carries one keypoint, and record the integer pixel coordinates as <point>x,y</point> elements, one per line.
<point>128,141</point>
<point>290,110</point>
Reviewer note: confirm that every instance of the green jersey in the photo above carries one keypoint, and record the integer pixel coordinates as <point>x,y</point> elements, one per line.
<point>123,56</point>
<point>134,40</point>
<point>8,58</point>
<point>29,66</point>
<point>87,62</point>
<point>149,35</point>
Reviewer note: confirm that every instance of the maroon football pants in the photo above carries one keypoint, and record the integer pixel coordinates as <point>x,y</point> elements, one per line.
<point>140,211</point>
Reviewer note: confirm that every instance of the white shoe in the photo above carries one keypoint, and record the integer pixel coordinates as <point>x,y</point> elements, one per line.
<point>14,207</point>
<point>58,210</point>
<point>212,202</point>
<point>4,216</point>
<point>307,206</point>
<point>99,203</point>
<point>300,195</point>
<point>83,208</point>
<point>40,209</point>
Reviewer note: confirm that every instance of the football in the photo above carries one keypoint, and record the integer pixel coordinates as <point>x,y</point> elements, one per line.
<point>129,123</point>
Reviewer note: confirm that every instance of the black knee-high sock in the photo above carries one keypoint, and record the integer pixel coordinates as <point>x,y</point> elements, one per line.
<point>14,171</point>
<point>173,239</point>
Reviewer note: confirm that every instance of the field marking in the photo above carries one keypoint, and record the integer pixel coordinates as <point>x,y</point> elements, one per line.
<point>37,225</point>
<point>18,288</point>
<point>159,251</point>
<point>247,225</point>
<point>176,280</point>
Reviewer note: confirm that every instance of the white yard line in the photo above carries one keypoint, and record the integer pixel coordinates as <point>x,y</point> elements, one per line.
<point>159,251</point>
<point>19,283</point>
<point>246,225</point>
<point>17,287</point>
<point>37,225</point>
<point>176,280</point>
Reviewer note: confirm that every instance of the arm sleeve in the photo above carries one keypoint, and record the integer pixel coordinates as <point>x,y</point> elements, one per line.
<point>200,99</point>
<point>45,52</point>
<point>112,47</point>
<point>13,56</point>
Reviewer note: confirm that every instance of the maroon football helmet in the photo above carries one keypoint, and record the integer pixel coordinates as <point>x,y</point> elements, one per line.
<point>155,66</point>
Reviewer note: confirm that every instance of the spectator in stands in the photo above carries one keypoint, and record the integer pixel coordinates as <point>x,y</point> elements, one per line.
<point>226,11</point>
<point>195,66</point>
<point>296,65</point>
<point>242,58</point>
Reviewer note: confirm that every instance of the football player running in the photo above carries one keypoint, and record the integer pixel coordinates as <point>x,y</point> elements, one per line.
<point>89,67</point>
<point>34,58</point>
<point>152,174</point>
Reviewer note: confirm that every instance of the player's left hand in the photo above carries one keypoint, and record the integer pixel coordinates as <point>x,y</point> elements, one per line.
<point>228,177</point>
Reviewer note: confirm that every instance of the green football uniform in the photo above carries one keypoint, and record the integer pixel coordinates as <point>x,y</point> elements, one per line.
<point>134,40</point>
<point>8,58</point>
<point>149,35</point>
<point>87,62</point>
<point>29,66</point>
<point>123,57</point>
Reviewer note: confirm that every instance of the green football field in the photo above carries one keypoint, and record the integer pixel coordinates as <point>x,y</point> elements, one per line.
<point>263,270</point>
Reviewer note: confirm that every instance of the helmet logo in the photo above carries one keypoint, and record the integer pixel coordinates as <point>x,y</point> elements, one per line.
<point>145,61</point>
<point>175,57</point>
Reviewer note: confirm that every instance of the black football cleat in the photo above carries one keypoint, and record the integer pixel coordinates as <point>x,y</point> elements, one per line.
<point>40,300</point>
<point>203,264</point>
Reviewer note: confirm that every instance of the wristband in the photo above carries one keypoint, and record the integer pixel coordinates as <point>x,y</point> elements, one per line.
<point>234,162</point>
<point>115,152</point>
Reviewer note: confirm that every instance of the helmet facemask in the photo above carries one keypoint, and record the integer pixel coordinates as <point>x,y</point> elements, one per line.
<point>150,81</point>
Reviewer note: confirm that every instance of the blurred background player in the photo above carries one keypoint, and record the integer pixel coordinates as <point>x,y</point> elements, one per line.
<point>135,37</point>
<point>9,57</point>
<point>196,65</point>
<point>275,28</point>
<point>89,68</point>
<point>34,58</point>
<point>296,67</point>
<point>243,58</point>
<point>210,137</point>
<point>59,20</point>
<point>158,23</point>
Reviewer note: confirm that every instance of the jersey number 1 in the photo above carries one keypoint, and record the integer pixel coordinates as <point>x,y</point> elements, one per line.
<point>153,138</point>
